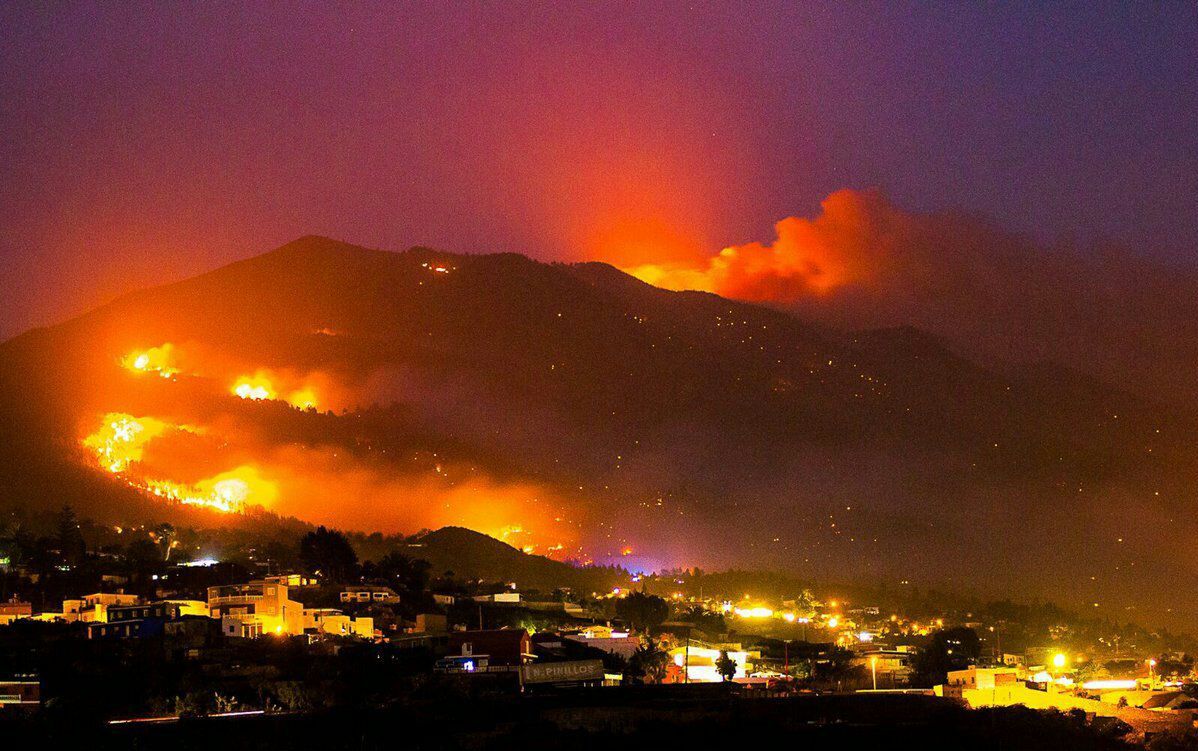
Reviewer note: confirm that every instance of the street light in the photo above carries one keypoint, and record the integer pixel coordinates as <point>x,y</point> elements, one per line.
<point>1058,660</point>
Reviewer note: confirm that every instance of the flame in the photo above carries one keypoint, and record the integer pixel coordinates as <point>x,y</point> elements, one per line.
<point>256,387</point>
<point>304,398</point>
<point>119,444</point>
<point>120,441</point>
<point>230,492</point>
<point>262,385</point>
<point>160,360</point>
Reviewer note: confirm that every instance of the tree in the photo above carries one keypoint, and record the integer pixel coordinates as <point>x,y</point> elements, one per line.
<point>725,665</point>
<point>143,555</point>
<point>70,538</point>
<point>648,663</point>
<point>642,611</point>
<point>705,620</point>
<point>949,649</point>
<point>328,552</point>
<point>409,574</point>
<point>836,666</point>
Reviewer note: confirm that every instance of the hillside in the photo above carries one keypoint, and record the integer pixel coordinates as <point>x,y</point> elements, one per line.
<point>575,412</point>
<point>469,554</point>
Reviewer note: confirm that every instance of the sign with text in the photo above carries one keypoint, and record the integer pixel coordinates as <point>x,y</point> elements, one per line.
<point>562,672</point>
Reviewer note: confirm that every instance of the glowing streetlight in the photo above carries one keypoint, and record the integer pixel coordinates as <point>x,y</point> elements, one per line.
<point>1058,660</point>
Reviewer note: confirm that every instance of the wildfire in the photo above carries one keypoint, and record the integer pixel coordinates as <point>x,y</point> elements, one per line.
<point>229,492</point>
<point>261,386</point>
<point>160,360</point>
<point>119,444</point>
<point>121,440</point>
<point>256,387</point>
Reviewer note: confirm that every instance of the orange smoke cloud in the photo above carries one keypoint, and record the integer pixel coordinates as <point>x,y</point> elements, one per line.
<point>991,295</point>
<point>328,486</point>
<point>849,243</point>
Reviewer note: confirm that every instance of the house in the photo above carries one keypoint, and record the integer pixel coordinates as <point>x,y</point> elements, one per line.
<point>191,607</point>
<point>506,598</point>
<point>366,594</point>
<point>697,663</point>
<point>978,679</point>
<point>13,610</point>
<point>891,667</point>
<point>431,623</point>
<point>259,607</point>
<point>479,651</point>
<point>134,621</point>
<point>334,622</point>
<point>91,608</point>
<point>191,633</point>
<point>94,608</point>
<point>601,637</point>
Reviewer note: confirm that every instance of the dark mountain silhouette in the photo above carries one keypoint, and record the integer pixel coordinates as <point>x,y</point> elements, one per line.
<point>662,428</point>
<point>470,555</point>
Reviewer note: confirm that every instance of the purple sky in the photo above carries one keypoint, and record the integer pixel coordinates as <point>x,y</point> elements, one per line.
<point>142,143</point>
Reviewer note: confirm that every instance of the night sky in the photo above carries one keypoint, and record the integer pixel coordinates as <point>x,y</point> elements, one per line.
<point>140,144</point>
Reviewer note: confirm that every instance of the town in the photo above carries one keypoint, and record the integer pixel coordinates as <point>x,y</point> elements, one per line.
<point>176,637</point>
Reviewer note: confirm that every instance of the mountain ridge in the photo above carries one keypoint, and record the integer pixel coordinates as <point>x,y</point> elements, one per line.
<point>647,419</point>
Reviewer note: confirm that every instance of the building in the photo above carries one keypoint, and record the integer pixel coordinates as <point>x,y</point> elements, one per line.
<point>260,607</point>
<point>134,621</point>
<point>20,692</point>
<point>503,598</point>
<point>191,607</point>
<point>498,650</point>
<point>91,608</point>
<point>891,667</point>
<point>431,623</point>
<point>189,634</point>
<point>13,610</point>
<point>384,595</point>
<point>334,622</point>
<point>696,663</point>
<point>601,637</point>
<point>979,679</point>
